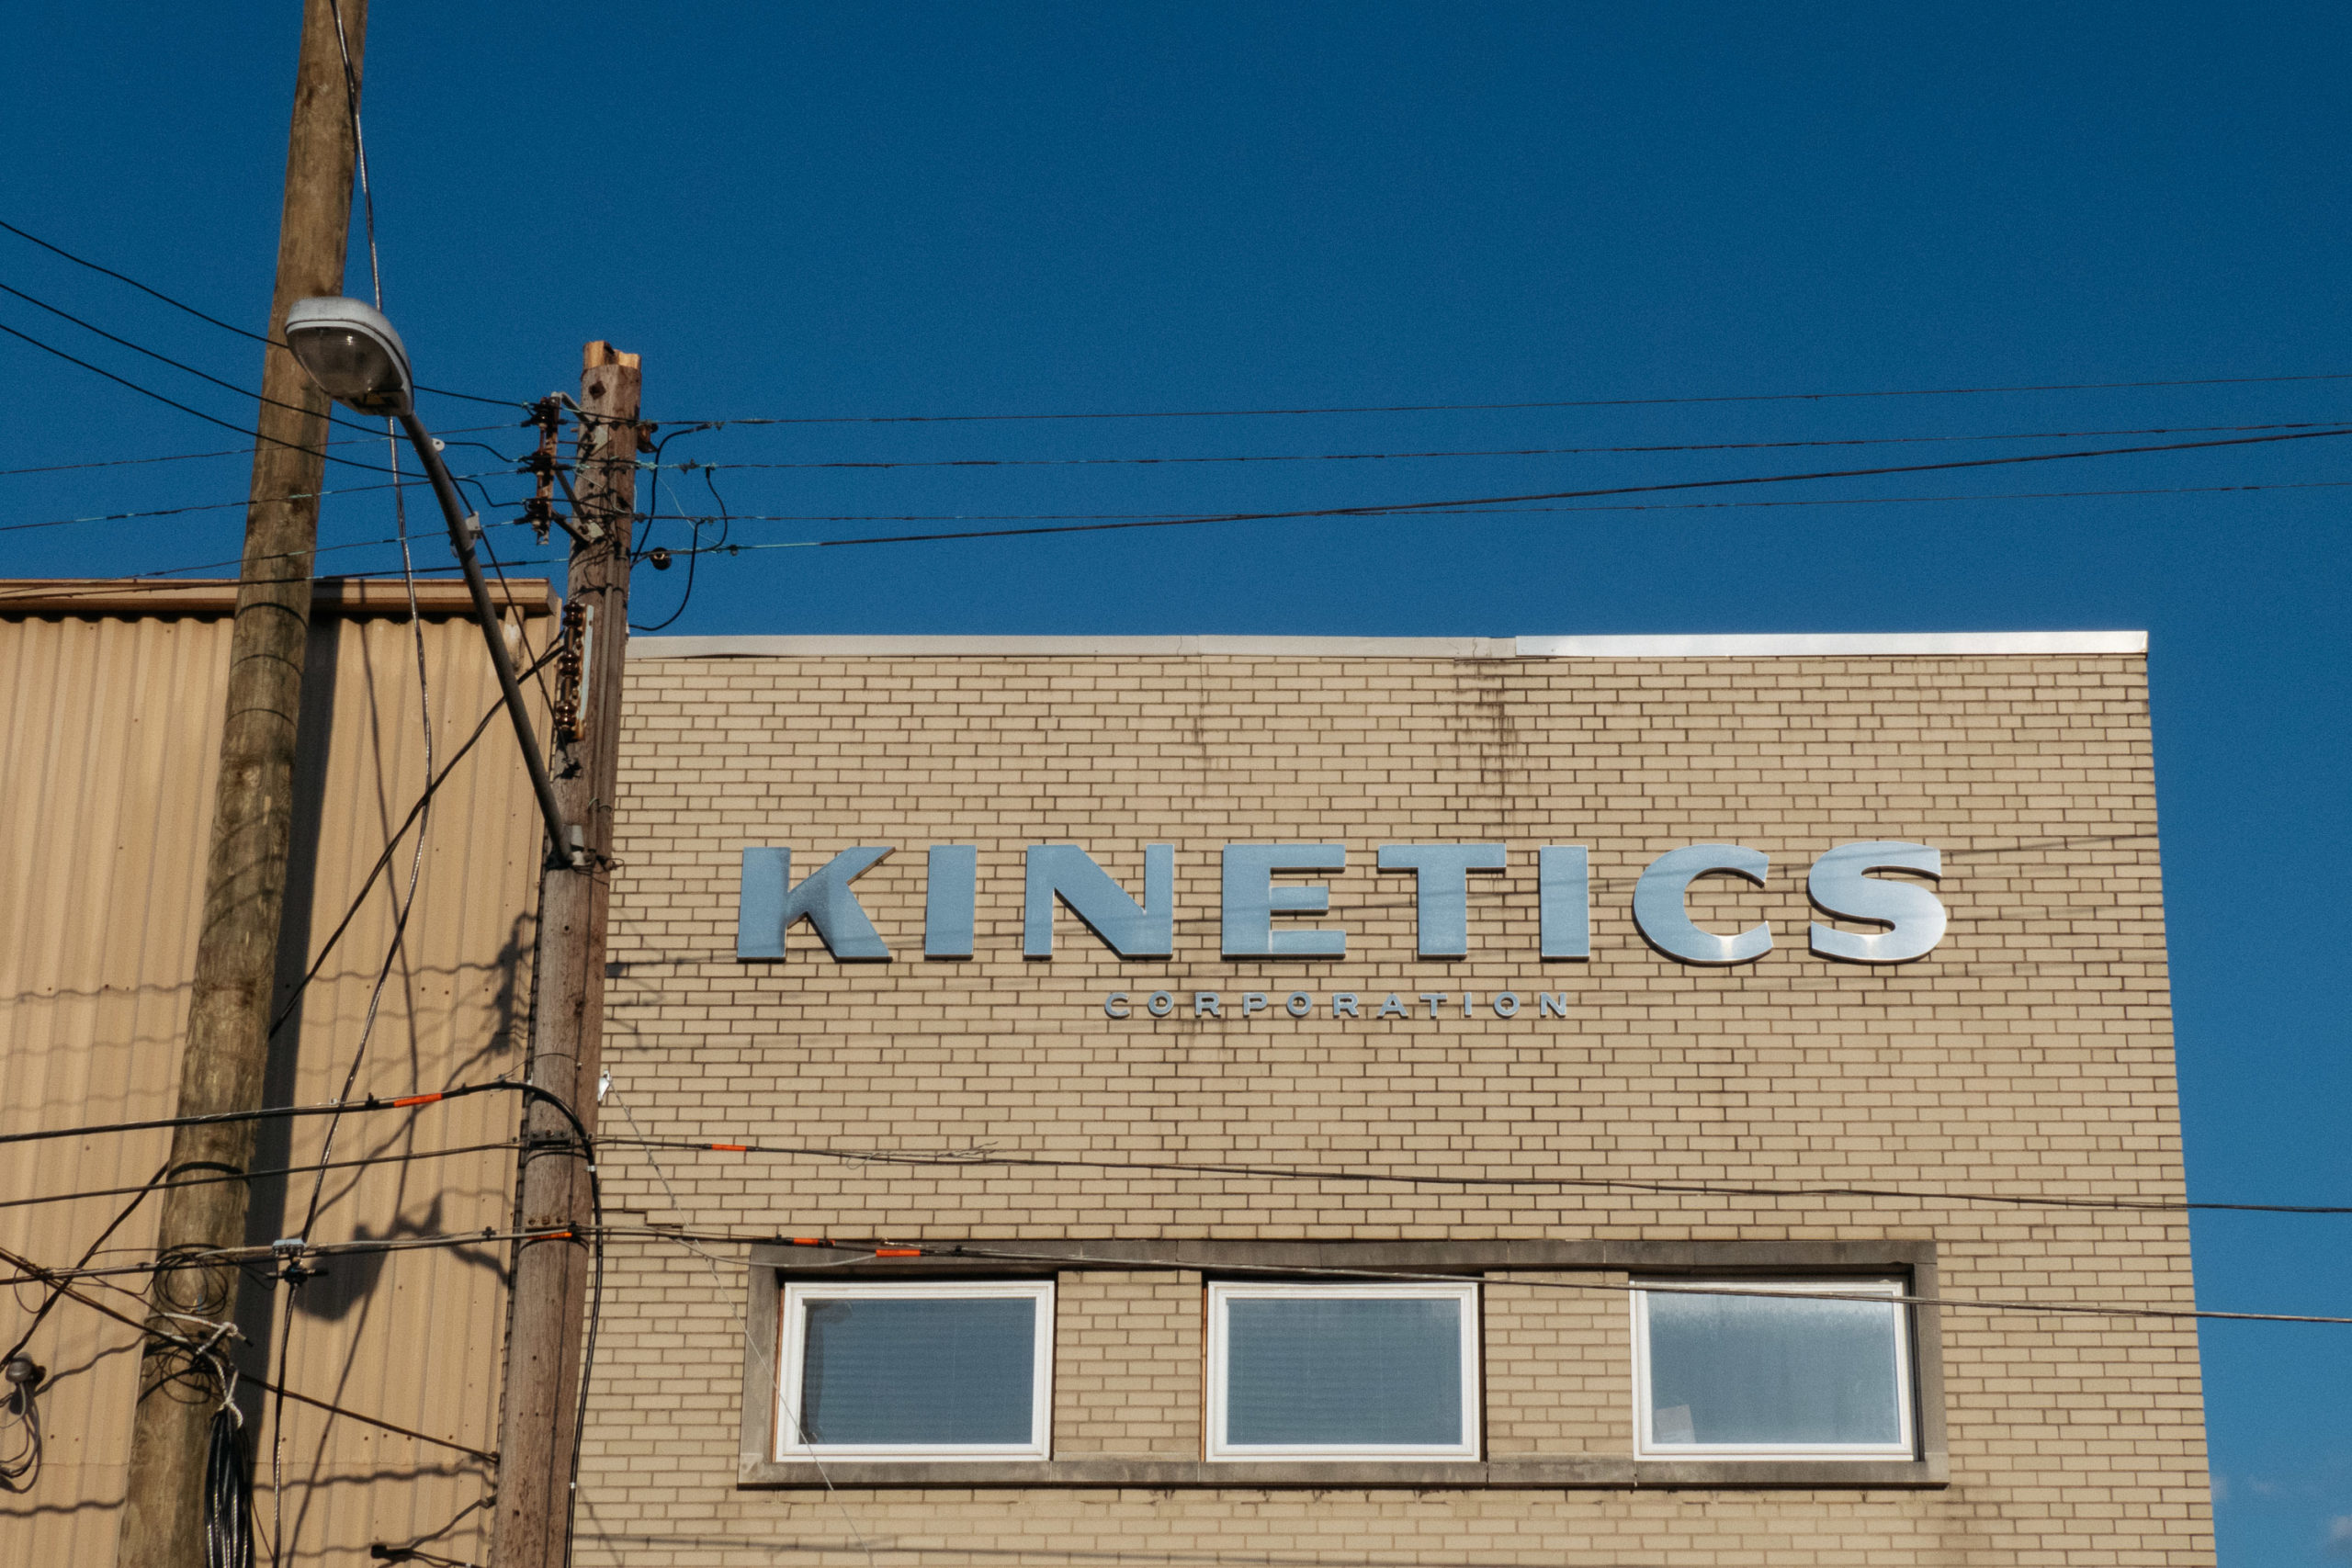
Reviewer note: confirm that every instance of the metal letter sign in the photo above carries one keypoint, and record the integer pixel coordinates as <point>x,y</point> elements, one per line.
<point>1129,929</point>
<point>767,909</point>
<point>1840,884</point>
<point>1251,901</point>
<point>1659,903</point>
<point>1564,900</point>
<point>947,901</point>
<point>1442,890</point>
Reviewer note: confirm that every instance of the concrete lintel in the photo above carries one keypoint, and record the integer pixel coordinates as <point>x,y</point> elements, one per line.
<point>1563,1473</point>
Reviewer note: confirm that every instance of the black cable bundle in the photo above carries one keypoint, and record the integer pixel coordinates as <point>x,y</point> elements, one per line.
<point>228,1496</point>
<point>19,1470</point>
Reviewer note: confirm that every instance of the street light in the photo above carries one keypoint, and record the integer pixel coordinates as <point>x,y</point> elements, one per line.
<point>357,358</point>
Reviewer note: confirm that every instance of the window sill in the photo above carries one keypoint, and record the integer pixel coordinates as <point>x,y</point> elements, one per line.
<point>1590,1473</point>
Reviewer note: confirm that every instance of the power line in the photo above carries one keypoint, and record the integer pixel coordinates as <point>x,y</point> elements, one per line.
<point>333,417</point>
<point>1977,1303</point>
<point>890,1248</point>
<point>33,1271</point>
<point>1441,508</point>
<point>138,1196</point>
<point>239,1256</point>
<point>213,506</point>
<point>259,1174</point>
<point>289,1112</point>
<point>211,319</point>
<point>359,899</point>
<point>1502,407</point>
<point>1507,511</point>
<point>229,452</point>
<point>1494,451</point>
<point>174,402</point>
<point>984,1159</point>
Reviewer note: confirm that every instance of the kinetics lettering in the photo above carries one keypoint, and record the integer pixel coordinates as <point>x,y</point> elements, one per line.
<point>1564,900</point>
<point>1660,901</point>
<point>1840,884</point>
<point>1442,891</point>
<point>1252,900</point>
<point>1849,882</point>
<point>768,905</point>
<point>1067,873</point>
<point>947,901</point>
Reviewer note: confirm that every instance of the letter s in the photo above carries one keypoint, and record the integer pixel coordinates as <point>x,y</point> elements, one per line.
<point>1840,884</point>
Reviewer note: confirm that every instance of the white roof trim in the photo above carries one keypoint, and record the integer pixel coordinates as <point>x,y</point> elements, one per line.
<point>1805,645</point>
<point>1762,645</point>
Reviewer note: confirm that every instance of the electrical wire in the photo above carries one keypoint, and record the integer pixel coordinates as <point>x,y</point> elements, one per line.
<point>695,551</point>
<point>333,417</point>
<point>395,486</point>
<point>112,585</point>
<point>654,505</point>
<point>294,1112</point>
<point>1501,451</point>
<point>359,145</point>
<point>241,451</point>
<point>211,319</point>
<point>174,402</point>
<point>33,1271</point>
<point>1962,1304</point>
<point>1493,407</point>
<point>421,817</point>
<point>228,1492</point>
<point>1502,510</point>
<point>138,1196</point>
<point>257,1174</point>
<point>293,999</point>
<point>538,661</point>
<point>986,1159</point>
<point>20,1469</point>
<point>1443,508</point>
<point>986,1252</point>
<point>240,1257</point>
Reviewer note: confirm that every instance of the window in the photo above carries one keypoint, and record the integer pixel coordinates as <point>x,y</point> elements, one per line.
<point>1343,1371</point>
<point>916,1371</point>
<point>1772,1376</point>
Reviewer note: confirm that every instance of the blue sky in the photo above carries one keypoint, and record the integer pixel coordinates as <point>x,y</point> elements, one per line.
<point>797,211</point>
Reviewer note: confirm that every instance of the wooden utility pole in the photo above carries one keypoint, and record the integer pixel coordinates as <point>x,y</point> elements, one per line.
<point>536,1436</point>
<point>245,879</point>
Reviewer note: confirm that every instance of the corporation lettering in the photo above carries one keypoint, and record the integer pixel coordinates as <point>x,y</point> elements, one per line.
<point>1266,911</point>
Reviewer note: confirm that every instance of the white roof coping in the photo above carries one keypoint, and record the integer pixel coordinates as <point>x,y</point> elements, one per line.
<point>1832,644</point>
<point>1736,645</point>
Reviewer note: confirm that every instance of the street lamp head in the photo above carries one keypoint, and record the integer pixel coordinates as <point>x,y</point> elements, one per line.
<point>352,351</point>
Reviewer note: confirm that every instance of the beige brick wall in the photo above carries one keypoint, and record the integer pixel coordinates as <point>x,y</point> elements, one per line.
<point>2030,1054</point>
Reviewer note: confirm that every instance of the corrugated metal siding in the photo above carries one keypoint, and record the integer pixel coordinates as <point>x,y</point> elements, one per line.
<point>109,734</point>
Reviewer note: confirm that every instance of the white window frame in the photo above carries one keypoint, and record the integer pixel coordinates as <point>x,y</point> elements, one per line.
<point>792,1355</point>
<point>1645,1445</point>
<point>1220,1293</point>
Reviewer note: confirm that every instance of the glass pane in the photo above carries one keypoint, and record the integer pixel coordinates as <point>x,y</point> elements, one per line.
<point>1343,1369</point>
<point>1744,1370</point>
<point>919,1369</point>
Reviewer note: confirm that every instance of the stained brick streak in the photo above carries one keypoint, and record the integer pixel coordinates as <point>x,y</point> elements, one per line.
<point>2032,1051</point>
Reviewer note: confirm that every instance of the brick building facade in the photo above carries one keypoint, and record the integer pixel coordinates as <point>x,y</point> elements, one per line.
<point>1181,1201</point>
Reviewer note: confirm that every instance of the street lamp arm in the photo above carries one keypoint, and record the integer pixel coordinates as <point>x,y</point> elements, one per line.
<point>562,848</point>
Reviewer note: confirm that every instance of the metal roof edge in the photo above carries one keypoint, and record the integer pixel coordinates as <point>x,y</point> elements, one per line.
<point>1737,645</point>
<point>1832,644</point>
<point>355,597</point>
